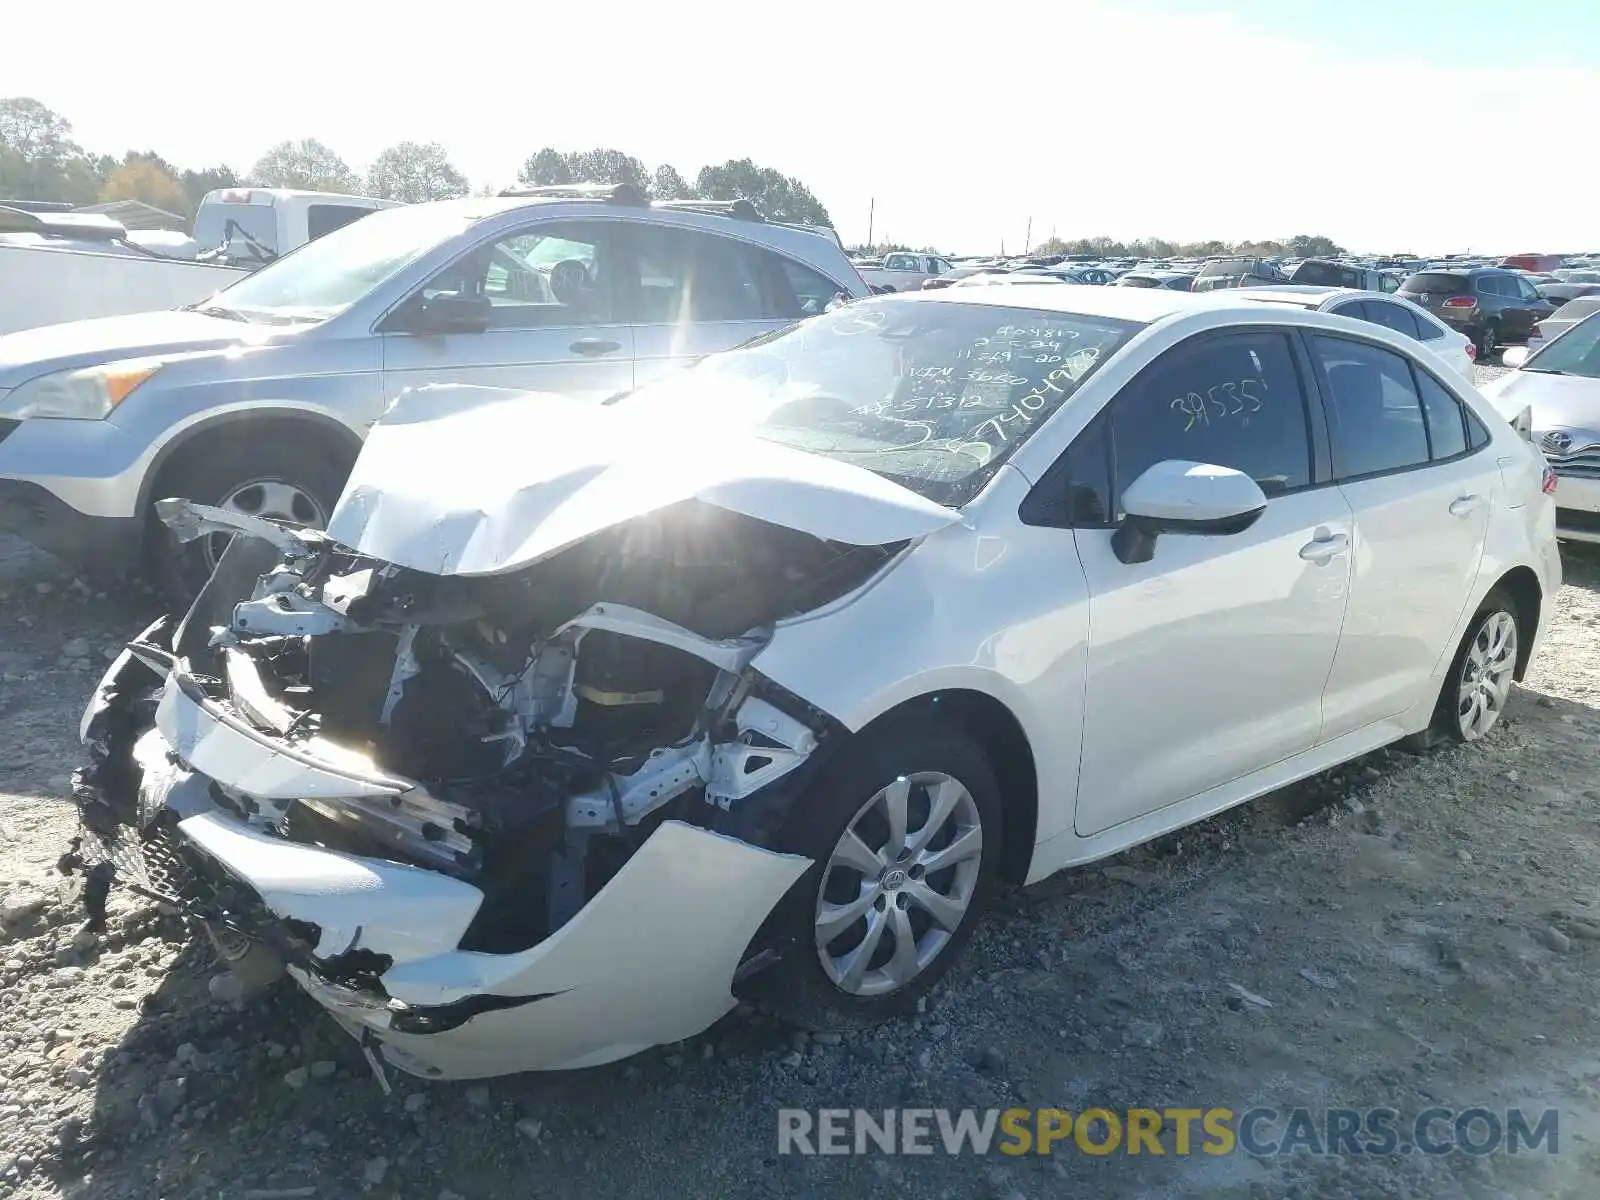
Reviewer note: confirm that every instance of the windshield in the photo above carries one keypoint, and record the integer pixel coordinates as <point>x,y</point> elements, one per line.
<point>1575,352</point>
<point>934,396</point>
<point>326,276</point>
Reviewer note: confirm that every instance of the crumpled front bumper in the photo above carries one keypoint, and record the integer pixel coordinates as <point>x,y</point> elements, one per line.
<point>650,958</point>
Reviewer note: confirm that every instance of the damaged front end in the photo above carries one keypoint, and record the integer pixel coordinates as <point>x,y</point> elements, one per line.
<point>493,823</point>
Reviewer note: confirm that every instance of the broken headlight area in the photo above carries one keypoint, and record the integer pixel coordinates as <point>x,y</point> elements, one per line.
<point>522,733</point>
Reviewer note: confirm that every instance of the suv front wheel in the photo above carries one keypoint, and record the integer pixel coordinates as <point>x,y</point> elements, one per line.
<point>271,478</point>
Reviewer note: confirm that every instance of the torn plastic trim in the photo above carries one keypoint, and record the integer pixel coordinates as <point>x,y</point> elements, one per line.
<point>729,654</point>
<point>357,903</point>
<point>251,695</point>
<point>113,687</point>
<point>214,742</point>
<point>189,520</point>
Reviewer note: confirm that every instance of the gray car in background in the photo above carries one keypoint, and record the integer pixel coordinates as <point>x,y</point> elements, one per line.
<point>258,398</point>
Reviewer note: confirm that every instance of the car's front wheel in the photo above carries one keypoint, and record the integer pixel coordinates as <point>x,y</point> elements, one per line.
<point>904,833</point>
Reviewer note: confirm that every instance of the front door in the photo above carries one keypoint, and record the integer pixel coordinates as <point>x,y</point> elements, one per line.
<point>1421,498</point>
<point>1208,662</point>
<point>552,327</point>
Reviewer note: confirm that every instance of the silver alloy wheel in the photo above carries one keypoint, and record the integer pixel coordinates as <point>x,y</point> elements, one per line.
<point>898,883</point>
<point>1486,674</point>
<point>271,498</point>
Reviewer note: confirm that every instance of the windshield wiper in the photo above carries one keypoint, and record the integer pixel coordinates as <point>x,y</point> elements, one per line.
<point>217,310</point>
<point>1544,370</point>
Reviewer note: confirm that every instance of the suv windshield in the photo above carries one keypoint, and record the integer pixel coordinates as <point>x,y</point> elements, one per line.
<point>1575,352</point>
<point>324,277</point>
<point>934,396</point>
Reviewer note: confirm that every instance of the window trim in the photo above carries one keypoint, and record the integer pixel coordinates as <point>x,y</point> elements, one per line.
<point>1325,390</point>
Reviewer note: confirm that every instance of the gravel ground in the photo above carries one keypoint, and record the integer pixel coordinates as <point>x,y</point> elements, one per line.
<point>1403,932</point>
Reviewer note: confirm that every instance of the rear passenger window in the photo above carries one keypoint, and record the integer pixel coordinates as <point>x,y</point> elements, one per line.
<point>1233,401</point>
<point>683,275</point>
<point>1446,431</point>
<point>796,290</point>
<point>1392,316</point>
<point>1375,421</point>
<point>1427,330</point>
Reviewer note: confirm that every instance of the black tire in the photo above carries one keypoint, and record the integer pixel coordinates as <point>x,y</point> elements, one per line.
<point>1488,338</point>
<point>797,987</point>
<point>183,568</point>
<point>255,965</point>
<point>1446,724</point>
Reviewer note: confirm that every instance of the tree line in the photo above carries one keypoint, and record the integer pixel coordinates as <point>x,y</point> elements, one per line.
<point>39,160</point>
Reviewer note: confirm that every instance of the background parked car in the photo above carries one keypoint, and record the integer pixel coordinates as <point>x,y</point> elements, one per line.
<point>1452,347</point>
<point>1555,393</point>
<point>258,400</point>
<point>1563,319</point>
<point>1490,305</point>
<point>1176,281</point>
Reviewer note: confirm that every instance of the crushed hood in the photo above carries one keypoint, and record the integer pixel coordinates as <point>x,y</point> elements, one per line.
<point>32,352</point>
<point>461,480</point>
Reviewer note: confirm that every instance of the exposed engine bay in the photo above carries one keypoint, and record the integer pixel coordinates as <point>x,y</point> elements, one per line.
<point>522,732</point>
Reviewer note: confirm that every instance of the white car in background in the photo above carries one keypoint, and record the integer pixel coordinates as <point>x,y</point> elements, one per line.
<point>1451,347</point>
<point>1554,394</point>
<point>754,681</point>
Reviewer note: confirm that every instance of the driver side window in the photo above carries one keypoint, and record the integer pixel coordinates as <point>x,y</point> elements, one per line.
<point>1232,401</point>
<point>551,274</point>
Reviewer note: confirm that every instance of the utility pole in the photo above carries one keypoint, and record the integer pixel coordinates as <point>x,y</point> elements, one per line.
<point>1027,238</point>
<point>872,209</point>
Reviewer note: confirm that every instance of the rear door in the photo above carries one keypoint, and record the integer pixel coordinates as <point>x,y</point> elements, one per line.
<point>688,293</point>
<point>1421,498</point>
<point>553,323</point>
<point>1208,662</point>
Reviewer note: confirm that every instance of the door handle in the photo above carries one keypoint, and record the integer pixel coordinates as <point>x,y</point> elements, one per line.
<point>1324,550</point>
<point>1463,506</point>
<point>594,347</point>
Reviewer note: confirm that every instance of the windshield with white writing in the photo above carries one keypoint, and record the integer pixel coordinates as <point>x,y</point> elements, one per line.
<point>934,396</point>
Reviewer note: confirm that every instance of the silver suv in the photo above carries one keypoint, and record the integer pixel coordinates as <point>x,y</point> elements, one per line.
<point>257,399</point>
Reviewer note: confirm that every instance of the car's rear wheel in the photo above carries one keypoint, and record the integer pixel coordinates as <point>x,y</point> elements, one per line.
<point>904,832</point>
<point>271,478</point>
<point>1488,338</point>
<point>1478,684</point>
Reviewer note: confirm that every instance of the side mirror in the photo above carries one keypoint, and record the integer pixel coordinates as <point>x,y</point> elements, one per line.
<point>451,312</point>
<point>1514,356</point>
<point>1184,497</point>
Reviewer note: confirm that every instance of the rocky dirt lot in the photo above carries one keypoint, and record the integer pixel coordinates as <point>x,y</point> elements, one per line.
<point>1404,932</point>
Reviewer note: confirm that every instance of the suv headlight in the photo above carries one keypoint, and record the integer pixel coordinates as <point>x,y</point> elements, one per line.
<point>85,394</point>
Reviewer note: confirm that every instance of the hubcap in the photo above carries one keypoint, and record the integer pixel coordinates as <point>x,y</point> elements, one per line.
<point>898,883</point>
<point>1486,675</point>
<point>273,499</point>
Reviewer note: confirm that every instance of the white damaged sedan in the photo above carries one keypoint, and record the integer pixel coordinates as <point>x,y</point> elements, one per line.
<point>580,721</point>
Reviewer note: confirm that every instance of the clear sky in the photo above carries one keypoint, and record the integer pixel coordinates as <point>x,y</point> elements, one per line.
<point>1423,125</point>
